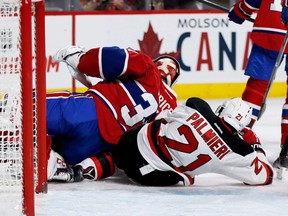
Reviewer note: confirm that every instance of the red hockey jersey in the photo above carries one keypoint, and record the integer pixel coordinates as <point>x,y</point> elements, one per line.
<point>268,30</point>
<point>131,93</point>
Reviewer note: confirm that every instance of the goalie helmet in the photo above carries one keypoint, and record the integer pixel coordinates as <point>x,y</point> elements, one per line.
<point>169,69</point>
<point>235,112</point>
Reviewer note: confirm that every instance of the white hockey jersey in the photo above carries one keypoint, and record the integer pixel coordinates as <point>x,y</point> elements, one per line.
<point>195,145</point>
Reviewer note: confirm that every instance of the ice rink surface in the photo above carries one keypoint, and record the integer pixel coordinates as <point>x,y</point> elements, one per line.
<point>211,195</point>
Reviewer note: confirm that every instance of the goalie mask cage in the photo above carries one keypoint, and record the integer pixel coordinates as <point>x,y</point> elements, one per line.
<point>22,105</point>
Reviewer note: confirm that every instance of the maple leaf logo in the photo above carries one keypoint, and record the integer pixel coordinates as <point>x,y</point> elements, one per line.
<point>151,44</point>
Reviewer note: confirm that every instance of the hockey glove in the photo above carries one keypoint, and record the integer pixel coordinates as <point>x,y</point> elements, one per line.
<point>233,17</point>
<point>251,138</point>
<point>239,12</point>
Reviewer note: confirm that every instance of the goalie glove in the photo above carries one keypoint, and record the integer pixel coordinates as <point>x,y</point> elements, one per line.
<point>251,138</point>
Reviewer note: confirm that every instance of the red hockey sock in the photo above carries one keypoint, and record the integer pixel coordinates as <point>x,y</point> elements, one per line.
<point>284,123</point>
<point>255,91</point>
<point>254,95</point>
<point>284,132</point>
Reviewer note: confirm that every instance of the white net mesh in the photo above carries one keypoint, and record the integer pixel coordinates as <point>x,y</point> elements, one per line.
<point>11,159</point>
<point>10,131</point>
<point>10,94</point>
<point>10,109</point>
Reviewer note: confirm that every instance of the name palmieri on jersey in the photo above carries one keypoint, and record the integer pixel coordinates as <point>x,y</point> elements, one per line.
<point>208,134</point>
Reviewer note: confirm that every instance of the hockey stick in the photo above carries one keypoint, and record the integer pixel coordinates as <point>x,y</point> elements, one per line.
<point>212,4</point>
<point>273,74</point>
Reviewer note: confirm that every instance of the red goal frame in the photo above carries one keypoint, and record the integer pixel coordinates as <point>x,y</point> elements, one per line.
<point>27,101</point>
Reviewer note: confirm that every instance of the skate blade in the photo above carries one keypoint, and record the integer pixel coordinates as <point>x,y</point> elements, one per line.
<point>280,172</point>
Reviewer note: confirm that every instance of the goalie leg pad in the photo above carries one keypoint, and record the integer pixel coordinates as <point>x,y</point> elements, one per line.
<point>55,162</point>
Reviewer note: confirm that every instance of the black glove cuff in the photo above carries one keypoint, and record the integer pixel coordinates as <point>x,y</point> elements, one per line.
<point>257,147</point>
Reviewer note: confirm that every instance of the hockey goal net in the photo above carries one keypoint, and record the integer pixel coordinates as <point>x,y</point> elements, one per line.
<point>22,105</point>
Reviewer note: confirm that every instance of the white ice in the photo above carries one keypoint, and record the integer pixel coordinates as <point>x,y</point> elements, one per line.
<point>211,195</point>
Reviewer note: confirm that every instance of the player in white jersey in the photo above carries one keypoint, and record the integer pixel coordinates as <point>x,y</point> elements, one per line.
<point>193,140</point>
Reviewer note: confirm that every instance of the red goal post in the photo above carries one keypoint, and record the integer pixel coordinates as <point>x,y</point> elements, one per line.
<point>22,104</point>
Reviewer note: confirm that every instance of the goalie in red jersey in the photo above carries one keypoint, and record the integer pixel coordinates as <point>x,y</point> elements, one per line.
<point>132,91</point>
<point>193,140</point>
<point>268,33</point>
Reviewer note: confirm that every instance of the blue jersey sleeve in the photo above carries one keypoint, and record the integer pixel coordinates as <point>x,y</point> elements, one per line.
<point>114,62</point>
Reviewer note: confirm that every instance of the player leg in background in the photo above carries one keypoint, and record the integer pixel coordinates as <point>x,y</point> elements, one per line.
<point>259,68</point>
<point>281,162</point>
<point>254,95</point>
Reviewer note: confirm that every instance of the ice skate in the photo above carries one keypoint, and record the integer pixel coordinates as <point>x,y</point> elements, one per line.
<point>281,163</point>
<point>64,53</point>
<point>70,174</point>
